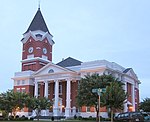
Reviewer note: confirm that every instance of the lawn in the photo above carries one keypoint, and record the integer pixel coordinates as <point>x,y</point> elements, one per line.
<point>52,121</point>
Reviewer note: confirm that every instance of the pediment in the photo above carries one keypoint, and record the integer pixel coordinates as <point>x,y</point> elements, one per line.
<point>132,73</point>
<point>51,68</point>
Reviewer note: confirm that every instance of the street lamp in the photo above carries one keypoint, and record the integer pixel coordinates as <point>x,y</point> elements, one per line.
<point>99,91</point>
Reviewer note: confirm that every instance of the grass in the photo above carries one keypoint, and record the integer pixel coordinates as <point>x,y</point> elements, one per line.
<point>52,121</point>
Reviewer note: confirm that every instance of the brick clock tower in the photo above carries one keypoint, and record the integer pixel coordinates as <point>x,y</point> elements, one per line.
<point>37,44</point>
<point>36,53</point>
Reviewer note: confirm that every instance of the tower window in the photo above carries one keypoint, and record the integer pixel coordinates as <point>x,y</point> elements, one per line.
<point>30,56</point>
<point>44,57</point>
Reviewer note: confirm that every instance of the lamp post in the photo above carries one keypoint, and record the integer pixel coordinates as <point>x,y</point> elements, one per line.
<point>99,91</point>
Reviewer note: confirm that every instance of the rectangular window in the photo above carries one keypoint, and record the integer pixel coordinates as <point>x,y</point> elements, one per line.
<point>39,89</point>
<point>18,89</point>
<point>80,109</point>
<point>135,93</point>
<point>23,90</point>
<point>23,82</point>
<point>30,56</point>
<point>18,82</point>
<point>60,88</point>
<point>44,57</point>
<point>48,88</point>
<point>87,109</point>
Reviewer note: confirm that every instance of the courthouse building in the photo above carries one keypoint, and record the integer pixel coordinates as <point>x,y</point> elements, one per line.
<point>40,77</point>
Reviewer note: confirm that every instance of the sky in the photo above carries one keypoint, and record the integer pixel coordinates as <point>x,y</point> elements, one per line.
<point>87,30</point>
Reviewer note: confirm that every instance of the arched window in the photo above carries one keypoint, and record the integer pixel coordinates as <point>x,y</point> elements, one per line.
<point>51,71</point>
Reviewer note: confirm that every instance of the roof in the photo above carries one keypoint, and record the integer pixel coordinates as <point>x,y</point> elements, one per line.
<point>68,62</point>
<point>38,23</point>
<point>126,70</point>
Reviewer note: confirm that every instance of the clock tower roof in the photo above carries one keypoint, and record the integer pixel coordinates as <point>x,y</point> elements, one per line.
<point>38,23</point>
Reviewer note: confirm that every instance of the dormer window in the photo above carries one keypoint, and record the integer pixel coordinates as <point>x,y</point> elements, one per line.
<point>38,35</point>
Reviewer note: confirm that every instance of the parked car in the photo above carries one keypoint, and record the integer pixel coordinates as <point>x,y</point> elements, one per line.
<point>132,117</point>
<point>147,119</point>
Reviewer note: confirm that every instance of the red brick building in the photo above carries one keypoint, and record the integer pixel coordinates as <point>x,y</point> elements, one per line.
<point>59,82</point>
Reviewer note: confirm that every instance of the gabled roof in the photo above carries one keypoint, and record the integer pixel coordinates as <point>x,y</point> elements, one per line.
<point>126,70</point>
<point>38,23</point>
<point>68,62</point>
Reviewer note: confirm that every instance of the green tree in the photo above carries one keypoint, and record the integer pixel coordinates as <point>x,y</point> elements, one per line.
<point>11,101</point>
<point>85,97</point>
<point>5,104</point>
<point>114,97</point>
<point>38,104</point>
<point>145,105</point>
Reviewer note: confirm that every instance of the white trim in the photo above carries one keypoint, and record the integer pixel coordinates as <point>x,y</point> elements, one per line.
<point>33,35</point>
<point>35,58</point>
<point>29,63</point>
<point>42,63</point>
<point>38,48</point>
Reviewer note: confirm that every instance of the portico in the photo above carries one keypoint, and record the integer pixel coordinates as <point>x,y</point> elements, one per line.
<point>59,81</point>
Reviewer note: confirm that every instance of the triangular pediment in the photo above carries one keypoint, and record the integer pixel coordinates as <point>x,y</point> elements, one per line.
<point>52,69</point>
<point>131,73</point>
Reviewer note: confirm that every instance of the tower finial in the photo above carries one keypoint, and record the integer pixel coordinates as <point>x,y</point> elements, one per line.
<point>39,5</point>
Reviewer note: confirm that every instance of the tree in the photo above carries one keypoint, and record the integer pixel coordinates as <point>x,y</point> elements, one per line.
<point>38,104</point>
<point>11,101</point>
<point>114,97</point>
<point>5,103</point>
<point>145,105</point>
<point>85,97</point>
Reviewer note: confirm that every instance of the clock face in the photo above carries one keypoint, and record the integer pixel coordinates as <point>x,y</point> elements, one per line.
<point>30,50</point>
<point>44,50</point>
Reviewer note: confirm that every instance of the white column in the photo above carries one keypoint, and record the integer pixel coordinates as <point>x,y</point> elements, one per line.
<point>46,89</point>
<point>68,109</point>
<point>36,89</point>
<point>125,104</point>
<point>45,112</point>
<point>56,108</point>
<point>133,97</point>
